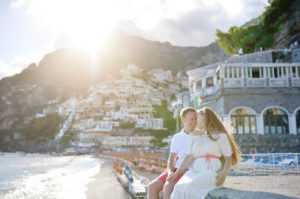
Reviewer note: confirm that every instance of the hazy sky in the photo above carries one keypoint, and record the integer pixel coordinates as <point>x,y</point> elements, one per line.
<point>31,28</point>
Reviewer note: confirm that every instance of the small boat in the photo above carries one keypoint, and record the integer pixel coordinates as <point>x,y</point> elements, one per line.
<point>134,186</point>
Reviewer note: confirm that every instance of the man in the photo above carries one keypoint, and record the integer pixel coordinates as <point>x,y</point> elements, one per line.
<point>177,154</point>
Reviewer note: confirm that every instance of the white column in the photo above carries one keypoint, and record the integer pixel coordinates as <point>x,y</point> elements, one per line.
<point>194,86</point>
<point>260,123</point>
<point>215,80</point>
<point>227,70</point>
<point>242,71</point>
<point>292,124</point>
<point>203,83</point>
<point>222,71</point>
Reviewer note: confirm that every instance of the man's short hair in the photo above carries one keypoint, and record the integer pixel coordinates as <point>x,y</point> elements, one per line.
<point>184,111</point>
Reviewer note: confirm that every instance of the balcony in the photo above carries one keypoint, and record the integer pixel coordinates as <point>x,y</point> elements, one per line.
<point>260,74</point>
<point>251,82</point>
<point>207,91</point>
<point>233,83</point>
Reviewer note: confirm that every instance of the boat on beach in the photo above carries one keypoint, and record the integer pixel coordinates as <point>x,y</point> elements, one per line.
<point>134,186</point>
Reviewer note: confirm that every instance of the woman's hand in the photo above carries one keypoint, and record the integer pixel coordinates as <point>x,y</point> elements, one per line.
<point>221,178</point>
<point>172,176</point>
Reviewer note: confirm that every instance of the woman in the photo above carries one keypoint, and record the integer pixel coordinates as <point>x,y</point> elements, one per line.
<point>206,145</point>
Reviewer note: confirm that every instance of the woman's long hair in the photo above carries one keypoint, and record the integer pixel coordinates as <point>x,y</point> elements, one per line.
<point>214,124</point>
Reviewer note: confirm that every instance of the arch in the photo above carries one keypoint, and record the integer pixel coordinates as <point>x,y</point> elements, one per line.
<point>297,119</point>
<point>243,120</point>
<point>279,107</point>
<point>276,120</point>
<point>230,112</point>
<point>296,110</point>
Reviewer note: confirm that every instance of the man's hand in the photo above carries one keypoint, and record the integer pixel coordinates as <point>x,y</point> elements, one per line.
<point>172,176</point>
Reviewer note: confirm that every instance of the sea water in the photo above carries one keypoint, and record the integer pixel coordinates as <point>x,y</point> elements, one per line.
<point>36,176</point>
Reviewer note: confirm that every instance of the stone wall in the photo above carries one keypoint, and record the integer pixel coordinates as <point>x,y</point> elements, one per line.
<point>258,57</point>
<point>269,143</point>
<point>259,99</point>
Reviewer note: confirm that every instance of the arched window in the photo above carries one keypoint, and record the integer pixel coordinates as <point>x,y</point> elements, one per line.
<point>244,121</point>
<point>276,121</point>
<point>298,121</point>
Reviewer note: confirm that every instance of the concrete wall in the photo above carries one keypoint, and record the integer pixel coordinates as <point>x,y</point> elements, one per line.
<point>259,57</point>
<point>260,99</point>
<point>269,143</point>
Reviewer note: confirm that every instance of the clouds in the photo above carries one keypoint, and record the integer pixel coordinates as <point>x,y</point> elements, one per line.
<point>4,69</point>
<point>9,69</point>
<point>187,23</point>
<point>20,62</point>
<point>194,23</point>
<point>183,23</point>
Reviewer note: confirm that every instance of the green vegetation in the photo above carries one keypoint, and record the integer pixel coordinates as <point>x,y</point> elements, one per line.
<point>252,37</point>
<point>158,135</point>
<point>158,142</point>
<point>127,125</point>
<point>47,127</point>
<point>66,138</point>
<point>163,112</point>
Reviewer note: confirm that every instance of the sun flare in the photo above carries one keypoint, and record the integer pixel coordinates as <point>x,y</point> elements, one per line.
<point>85,23</point>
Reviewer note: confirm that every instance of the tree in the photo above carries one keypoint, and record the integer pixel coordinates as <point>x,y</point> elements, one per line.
<point>163,112</point>
<point>47,126</point>
<point>252,37</point>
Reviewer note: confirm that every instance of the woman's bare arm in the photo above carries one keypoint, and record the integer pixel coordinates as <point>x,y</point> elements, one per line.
<point>223,173</point>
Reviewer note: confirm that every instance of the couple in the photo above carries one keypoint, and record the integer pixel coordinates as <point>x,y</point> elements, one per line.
<point>194,165</point>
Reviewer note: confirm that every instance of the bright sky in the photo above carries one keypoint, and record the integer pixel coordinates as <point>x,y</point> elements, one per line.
<point>32,28</point>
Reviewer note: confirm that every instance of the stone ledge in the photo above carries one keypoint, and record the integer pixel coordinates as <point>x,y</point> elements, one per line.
<point>227,193</point>
<point>260,187</point>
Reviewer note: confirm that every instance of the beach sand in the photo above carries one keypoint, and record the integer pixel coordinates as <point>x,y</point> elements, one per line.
<point>105,184</point>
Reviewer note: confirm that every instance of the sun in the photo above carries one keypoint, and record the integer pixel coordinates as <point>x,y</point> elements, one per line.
<point>86,23</point>
<point>90,23</point>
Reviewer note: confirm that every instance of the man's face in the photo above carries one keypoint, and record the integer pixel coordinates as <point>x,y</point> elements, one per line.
<point>190,121</point>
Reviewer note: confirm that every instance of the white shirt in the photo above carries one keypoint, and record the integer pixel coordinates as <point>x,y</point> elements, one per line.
<point>179,146</point>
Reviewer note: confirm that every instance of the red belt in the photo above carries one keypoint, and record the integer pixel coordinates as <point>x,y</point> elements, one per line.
<point>207,159</point>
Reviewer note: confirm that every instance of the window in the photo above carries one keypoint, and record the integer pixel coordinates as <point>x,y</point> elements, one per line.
<point>199,84</point>
<point>298,121</point>
<point>244,121</point>
<point>209,82</point>
<point>276,121</point>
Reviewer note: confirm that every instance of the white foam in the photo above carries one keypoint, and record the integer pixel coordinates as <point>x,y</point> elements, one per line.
<point>64,182</point>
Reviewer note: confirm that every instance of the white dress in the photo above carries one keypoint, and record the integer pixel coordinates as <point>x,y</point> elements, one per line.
<point>201,176</point>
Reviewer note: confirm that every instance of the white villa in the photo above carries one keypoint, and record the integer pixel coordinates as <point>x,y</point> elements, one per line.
<point>256,93</point>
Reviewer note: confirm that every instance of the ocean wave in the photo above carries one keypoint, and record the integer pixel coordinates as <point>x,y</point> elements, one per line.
<point>65,177</point>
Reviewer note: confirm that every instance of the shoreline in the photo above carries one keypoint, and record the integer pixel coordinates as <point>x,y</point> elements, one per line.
<point>105,184</point>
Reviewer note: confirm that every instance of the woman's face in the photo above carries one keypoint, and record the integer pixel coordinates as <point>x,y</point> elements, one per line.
<point>200,120</point>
